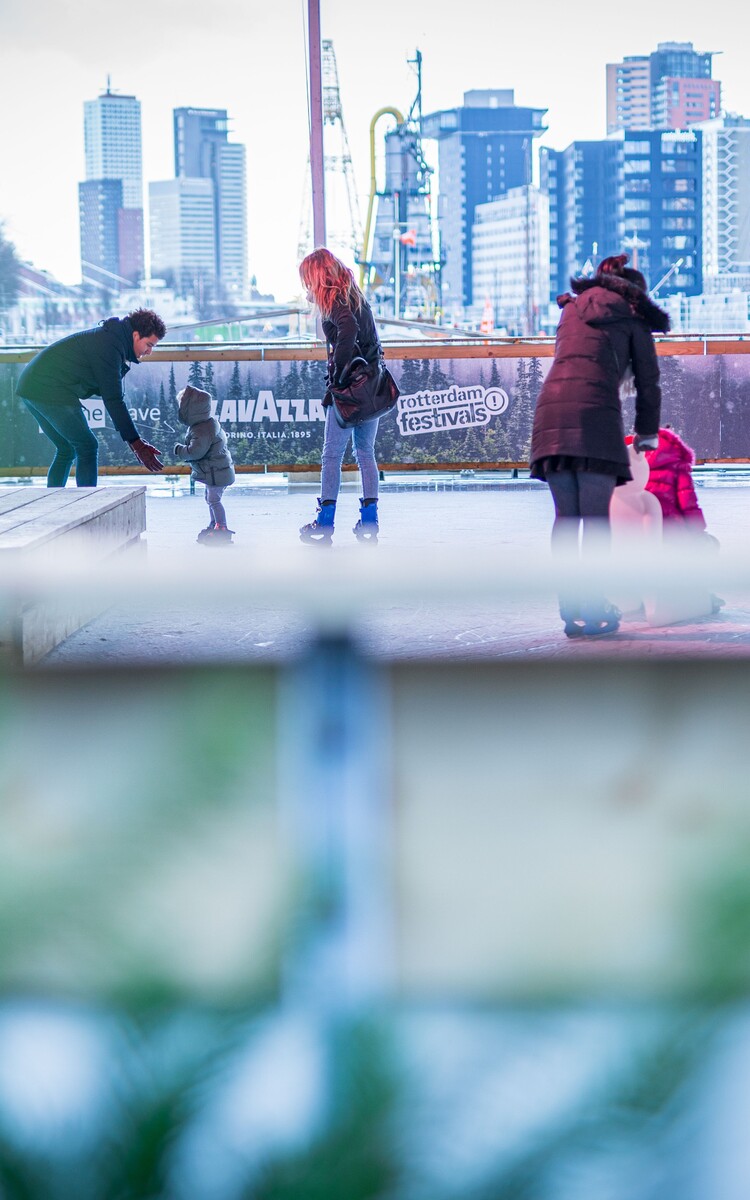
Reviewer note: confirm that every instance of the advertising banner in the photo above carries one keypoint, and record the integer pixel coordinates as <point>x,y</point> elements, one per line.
<point>461,410</point>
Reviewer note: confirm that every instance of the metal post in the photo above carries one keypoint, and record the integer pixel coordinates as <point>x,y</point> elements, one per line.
<point>397,272</point>
<point>317,161</point>
<point>335,711</point>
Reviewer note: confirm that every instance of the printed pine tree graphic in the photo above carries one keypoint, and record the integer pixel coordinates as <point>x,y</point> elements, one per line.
<point>496,435</point>
<point>444,446</point>
<point>518,412</point>
<point>472,450</point>
<point>534,381</point>
<point>410,377</point>
<point>703,415</point>
<point>234,391</point>
<point>195,375</point>
<point>674,405</point>
<point>735,434</point>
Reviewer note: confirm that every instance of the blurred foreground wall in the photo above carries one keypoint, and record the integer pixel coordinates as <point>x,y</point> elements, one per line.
<point>336,928</point>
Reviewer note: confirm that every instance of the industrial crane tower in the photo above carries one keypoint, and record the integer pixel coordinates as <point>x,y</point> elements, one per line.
<point>343,221</point>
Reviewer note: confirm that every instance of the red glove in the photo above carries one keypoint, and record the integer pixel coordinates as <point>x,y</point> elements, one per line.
<point>147,455</point>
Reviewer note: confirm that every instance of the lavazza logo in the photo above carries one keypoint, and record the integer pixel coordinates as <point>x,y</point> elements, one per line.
<point>454,408</point>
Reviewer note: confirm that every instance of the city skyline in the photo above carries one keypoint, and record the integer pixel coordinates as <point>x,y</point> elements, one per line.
<point>253,64</point>
<point>111,225</point>
<point>180,232</point>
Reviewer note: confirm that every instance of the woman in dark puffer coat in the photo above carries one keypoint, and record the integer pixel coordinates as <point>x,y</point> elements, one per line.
<point>578,442</point>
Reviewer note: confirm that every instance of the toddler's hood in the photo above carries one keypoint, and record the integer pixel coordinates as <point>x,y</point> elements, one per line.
<point>195,405</point>
<point>672,449</point>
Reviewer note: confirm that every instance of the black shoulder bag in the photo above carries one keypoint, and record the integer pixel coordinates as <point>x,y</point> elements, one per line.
<point>370,391</point>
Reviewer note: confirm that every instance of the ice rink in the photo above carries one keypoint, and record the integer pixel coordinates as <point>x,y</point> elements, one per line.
<point>436,520</point>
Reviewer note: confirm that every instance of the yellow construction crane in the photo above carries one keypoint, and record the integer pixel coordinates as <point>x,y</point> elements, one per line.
<point>382,112</point>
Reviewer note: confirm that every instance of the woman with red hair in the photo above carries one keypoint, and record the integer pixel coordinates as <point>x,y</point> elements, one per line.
<point>350,332</point>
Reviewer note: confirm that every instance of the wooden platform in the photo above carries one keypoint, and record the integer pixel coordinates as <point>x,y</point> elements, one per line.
<point>105,520</point>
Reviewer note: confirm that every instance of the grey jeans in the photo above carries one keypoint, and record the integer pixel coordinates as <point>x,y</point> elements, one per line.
<point>215,506</point>
<point>335,442</point>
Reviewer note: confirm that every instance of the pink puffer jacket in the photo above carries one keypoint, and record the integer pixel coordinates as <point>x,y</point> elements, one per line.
<point>671,480</point>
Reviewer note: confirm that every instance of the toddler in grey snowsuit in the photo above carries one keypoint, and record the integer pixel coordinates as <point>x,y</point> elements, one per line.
<point>210,461</point>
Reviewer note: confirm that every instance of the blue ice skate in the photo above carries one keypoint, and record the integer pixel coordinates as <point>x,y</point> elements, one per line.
<point>321,529</point>
<point>366,529</point>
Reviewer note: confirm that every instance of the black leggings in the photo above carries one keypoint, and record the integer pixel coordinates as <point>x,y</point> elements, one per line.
<point>581,502</point>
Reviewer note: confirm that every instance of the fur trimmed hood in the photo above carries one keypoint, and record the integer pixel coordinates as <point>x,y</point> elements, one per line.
<point>621,295</point>
<point>671,450</point>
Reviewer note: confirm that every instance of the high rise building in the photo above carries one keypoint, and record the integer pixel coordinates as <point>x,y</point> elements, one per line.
<point>130,243</point>
<point>680,103</point>
<point>629,94</point>
<point>726,201</point>
<point>485,148</point>
<point>112,143</point>
<point>510,256</point>
<point>583,183</point>
<point>671,88</point>
<point>662,200</point>
<point>638,191</point>
<point>202,150</point>
<point>99,209</point>
<point>231,218</point>
<point>183,244</point>
<point>197,134</point>
<point>550,182</point>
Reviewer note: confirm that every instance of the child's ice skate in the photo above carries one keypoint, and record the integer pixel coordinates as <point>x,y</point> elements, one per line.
<point>218,536</point>
<point>204,533</point>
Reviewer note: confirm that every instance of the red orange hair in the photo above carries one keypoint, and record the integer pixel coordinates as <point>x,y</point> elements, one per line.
<point>329,280</point>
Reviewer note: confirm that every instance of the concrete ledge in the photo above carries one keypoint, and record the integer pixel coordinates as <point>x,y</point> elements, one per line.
<point>104,520</point>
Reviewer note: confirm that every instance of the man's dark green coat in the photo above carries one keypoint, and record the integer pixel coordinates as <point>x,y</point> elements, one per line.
<point>90,363</point>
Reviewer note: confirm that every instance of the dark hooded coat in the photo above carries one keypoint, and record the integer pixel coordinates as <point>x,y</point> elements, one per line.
<point>90,363</point>
<point>205,447</point>
<point>605,328</point>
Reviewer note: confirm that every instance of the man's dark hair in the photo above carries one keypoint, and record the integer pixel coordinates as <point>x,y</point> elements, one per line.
<point>147,323</point>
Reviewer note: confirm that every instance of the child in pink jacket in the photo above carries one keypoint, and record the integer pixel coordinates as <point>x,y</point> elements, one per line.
<point>671,481</point>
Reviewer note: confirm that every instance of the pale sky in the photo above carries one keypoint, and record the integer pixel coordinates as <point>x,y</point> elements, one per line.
<point>249,57</point>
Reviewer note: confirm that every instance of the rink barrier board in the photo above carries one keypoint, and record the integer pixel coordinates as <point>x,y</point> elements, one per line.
<point>536,348</point>
<point>713,447</point>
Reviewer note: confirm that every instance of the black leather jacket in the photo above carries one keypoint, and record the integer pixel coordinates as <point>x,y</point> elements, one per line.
<point>350,333</point>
